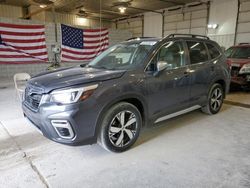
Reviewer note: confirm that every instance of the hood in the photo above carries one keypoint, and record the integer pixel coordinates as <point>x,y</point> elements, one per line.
<point>66,77</point>
<point>237,62</point>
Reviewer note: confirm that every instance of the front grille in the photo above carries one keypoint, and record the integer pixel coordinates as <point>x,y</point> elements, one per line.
<point>235,71</point>
<point>32,97</point>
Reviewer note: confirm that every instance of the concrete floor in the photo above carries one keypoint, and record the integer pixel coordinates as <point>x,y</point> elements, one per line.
<point>193,150</point>
<point>242,97</point>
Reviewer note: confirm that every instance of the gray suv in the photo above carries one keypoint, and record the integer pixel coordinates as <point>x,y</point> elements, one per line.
<point>131,85</point>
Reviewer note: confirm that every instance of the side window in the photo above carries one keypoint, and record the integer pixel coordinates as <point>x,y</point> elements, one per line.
<point>172,53</point>
<point>197,52</point>
<point>213,51</point>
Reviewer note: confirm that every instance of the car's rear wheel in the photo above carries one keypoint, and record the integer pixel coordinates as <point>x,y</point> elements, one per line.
<point>120,127</point>
<point>215,100</point>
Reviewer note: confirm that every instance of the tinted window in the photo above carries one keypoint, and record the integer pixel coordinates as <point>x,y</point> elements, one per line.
<point>240,52</point>
<point>172,53</point>
<point>197,52</point>
<point>122,56</point>
<point>229,52</point>
<point>213,51</point>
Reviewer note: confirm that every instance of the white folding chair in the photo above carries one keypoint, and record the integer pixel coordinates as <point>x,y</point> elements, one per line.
<point>19,80</point>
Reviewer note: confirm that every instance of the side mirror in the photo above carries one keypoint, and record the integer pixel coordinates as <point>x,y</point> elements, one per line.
<point>161,65</point>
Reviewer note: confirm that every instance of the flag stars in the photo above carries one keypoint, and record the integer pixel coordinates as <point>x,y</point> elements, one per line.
<point>72,37</point>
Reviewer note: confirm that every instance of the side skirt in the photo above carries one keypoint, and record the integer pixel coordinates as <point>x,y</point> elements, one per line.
<point>169,116</point>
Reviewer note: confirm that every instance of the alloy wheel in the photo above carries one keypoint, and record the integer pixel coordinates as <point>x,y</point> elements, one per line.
<point>216,99</point>
<point>123,128</point>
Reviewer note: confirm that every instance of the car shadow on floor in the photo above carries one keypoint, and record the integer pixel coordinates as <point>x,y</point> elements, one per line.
<point>32,140</point>
<point>174,124</point>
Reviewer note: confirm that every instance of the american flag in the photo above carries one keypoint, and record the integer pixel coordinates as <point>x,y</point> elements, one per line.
<point>20,44</point>
<point>83,44</point>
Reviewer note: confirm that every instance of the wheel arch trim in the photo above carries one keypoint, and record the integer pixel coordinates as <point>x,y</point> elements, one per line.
<point>123,98</point>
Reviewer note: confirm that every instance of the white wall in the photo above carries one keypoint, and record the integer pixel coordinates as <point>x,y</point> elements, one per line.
<point>223,13</point>
<point>243,31</point>
<point>194,20</point>
<point>134,25</point>
<point>152,24</point>
<point>187,20</point>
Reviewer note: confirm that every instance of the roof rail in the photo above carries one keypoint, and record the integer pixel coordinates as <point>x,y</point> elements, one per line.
<point>188,35</point>
<point>138,38</point>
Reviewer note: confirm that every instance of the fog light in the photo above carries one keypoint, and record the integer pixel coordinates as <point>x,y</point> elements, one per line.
<point>63,128</point>
<point>63,131</point>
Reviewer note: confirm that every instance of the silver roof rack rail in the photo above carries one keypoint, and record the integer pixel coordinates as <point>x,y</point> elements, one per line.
<point>188,35</point>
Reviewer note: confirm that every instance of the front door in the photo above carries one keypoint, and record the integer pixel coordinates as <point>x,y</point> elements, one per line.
<point>168,91</point>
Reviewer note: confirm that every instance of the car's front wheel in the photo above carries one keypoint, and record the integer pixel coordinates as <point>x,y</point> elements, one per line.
<point>215,100</point>
<point>120,127</point>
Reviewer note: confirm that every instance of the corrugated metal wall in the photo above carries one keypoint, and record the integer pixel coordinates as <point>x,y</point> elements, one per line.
<point>134,25</point>
<point>72,19</point>
<point>223,40</point>
<point>115,36</point>
<point>10,11</point>
<point>186,20</point>
<point>224,14</point>
<point>243,27</point>
<point>152,24</point>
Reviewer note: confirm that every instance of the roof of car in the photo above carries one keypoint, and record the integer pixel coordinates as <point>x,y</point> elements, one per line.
<point>141,39</point>
<point>247,45</point>
<point>171,36</point>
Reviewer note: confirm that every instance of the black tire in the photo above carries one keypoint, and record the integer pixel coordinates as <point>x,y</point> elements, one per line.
<point>210,107</point>
<point>113,120</point>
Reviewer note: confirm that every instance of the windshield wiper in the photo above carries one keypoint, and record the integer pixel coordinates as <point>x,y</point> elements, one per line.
<point>83,65</point>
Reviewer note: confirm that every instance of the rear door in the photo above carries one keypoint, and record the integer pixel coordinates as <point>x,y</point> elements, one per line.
<point>201,70</point>
<point>169,91</point>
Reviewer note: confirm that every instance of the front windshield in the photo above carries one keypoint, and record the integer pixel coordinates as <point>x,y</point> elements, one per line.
<point>122,56</point>
<point>238,53</point>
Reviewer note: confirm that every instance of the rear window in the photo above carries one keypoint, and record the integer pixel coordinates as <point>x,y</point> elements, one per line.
<point>238,52</point>
<point>197,52</point>
<point>213,51</point>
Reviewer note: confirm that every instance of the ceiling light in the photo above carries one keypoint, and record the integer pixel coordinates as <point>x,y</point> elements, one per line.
<point>42,6</point>
<point>212,26</point>
<point>122,9</point>
<point>81,21</point>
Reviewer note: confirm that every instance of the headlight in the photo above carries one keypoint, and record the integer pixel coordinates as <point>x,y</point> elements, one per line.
<point>245,69</point>
<point>67,96</point>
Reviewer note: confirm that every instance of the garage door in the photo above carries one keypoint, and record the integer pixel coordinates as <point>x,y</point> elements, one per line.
<point>243,27</point>
<point>188,19</point>
<point>134,25</point>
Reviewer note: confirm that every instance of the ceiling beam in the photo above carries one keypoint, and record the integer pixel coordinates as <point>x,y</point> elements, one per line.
<point>143,9</point>
<point>104,11</point>
<point>172,2</point>
<point>27,16</point>
<point>114,12</point>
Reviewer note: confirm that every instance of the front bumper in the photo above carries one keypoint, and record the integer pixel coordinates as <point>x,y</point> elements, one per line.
<point>242,80</point>
<point>81,117</point>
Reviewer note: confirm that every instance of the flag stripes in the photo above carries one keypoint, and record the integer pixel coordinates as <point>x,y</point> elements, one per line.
<point>22,44</point>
